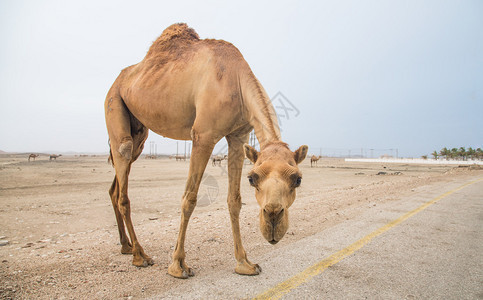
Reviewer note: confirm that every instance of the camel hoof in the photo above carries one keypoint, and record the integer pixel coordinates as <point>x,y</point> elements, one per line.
<point>143,263</point>
<point>248,269</point>
<point>177,271</point>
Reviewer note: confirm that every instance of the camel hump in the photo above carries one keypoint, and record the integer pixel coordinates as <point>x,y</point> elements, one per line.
<point>179,30</point>
<point>176,33</point>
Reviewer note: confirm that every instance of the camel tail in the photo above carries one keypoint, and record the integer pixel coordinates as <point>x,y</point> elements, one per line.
<point>109,159</point>
<point>260,110</point>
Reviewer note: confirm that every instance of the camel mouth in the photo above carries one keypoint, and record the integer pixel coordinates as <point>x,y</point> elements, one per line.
<point>273,242</point>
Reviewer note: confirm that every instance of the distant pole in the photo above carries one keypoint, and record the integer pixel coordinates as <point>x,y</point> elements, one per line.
<point>252,139</point>
<point>397,153</point>
<point>177,148</point>
<point>362,153</point>
<point>349,153</point>
<point>151,148</point>
<point>184,149</point>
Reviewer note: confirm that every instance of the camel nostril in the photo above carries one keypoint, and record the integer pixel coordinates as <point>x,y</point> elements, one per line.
<point>278,215</point>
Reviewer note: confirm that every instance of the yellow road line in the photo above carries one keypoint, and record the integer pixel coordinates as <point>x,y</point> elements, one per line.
<point>285,287</point>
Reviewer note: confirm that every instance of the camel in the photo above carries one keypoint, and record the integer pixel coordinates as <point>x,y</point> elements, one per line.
<point>187,88</point>
<point>314,159</point>
<point>54,156</point>
<point>33,156</point>
<point>218,159</point>
<point>180,157</point>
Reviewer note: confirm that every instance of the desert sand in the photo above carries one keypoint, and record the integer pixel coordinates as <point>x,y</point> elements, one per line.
<point>59,236</point>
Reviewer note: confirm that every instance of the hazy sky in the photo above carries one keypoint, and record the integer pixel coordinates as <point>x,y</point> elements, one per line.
<point>360,74</point>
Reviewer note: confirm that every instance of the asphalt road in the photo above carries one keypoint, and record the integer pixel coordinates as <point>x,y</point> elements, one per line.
<point>436,252</point>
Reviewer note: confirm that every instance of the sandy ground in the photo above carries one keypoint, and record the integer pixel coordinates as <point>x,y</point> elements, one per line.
<point>60,241</point>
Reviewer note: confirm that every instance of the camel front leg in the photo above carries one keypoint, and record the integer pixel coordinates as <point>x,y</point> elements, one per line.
<point>199,159</point>
<point>236,157</point>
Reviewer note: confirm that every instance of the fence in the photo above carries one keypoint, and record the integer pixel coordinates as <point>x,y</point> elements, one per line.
<point>355,152</point>
<point>417,161</point>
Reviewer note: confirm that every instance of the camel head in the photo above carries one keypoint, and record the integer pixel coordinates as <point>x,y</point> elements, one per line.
<point>275,176</point>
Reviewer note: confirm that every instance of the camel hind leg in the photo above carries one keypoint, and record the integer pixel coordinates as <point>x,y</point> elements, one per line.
<point>126,246</point>
<point>127,136</point>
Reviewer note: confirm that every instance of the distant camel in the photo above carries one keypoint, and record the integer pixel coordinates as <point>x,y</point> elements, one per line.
<point>218,159</point>
<point>54,156</point>
<point>314,159</point>
<point>180,157</point>
<point>33,156</point>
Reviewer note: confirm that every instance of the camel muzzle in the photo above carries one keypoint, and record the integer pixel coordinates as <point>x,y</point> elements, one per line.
<point>274,224</point>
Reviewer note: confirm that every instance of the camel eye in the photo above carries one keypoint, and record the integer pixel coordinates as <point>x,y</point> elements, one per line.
<point>254,179</point>
<point>251,180</point>
<point>298,181</point>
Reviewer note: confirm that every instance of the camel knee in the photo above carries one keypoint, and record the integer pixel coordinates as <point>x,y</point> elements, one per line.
<point>234,205</point>
<point>189,204</point>
<point>126,148</point>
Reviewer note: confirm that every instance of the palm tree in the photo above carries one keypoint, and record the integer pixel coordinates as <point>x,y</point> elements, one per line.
<point>462,153</point>
<point>470,153</point>
<point>444,153</point>
<point>454,153</point>
<point>479,154</point>
<point>459,153</point>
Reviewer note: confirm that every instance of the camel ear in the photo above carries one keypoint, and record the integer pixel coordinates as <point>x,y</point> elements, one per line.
<point>250,153</point>
<point>300,153</point>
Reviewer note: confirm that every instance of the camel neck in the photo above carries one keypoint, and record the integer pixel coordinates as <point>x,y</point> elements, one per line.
<point>266,130</point>
<point>261,113</point>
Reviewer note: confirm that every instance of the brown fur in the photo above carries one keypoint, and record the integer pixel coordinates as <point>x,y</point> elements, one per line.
<point>33,156</point>
<point>177,44</point>
<point>54,156</point>
<point>314,159</point>
<point>200,90</point>
<point>176,35</point>
<point>275,175</point>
